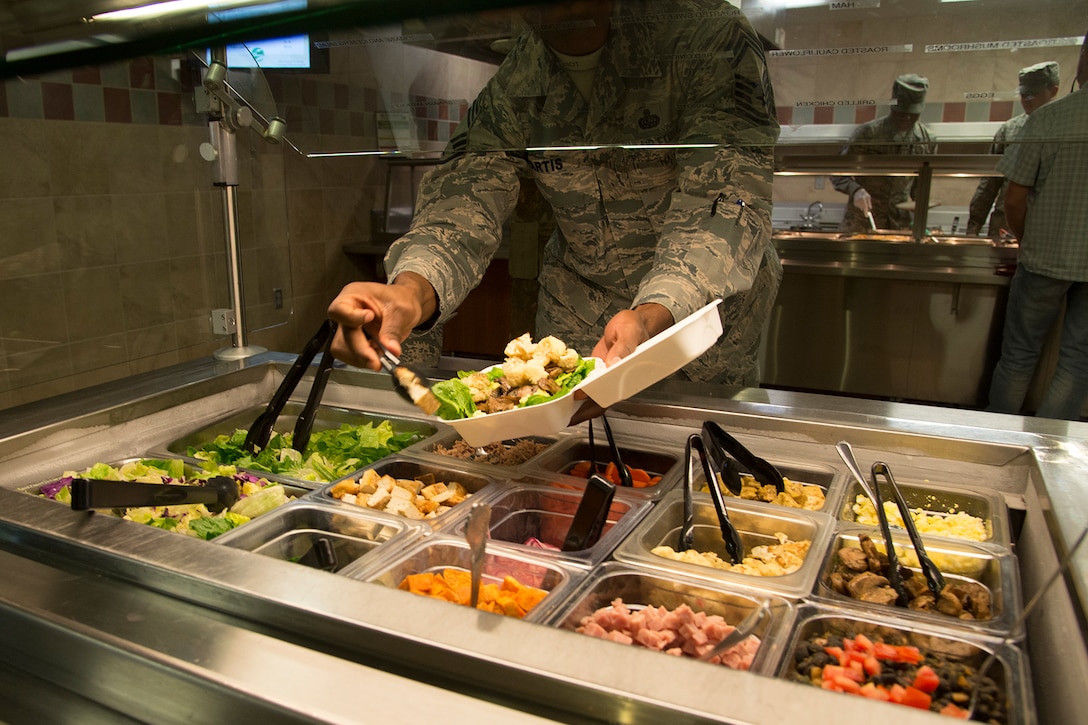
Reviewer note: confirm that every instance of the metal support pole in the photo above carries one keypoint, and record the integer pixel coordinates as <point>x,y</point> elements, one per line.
<point>226,176</point>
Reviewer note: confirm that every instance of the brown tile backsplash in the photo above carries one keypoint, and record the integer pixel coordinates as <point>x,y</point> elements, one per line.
<point>57,103</point>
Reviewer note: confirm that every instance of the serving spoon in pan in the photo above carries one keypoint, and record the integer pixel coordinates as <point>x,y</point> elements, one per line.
<point>846,453</point>
<point>740,633</point>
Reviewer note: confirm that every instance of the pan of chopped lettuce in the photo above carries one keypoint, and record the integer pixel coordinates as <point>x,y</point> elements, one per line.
<point>256,495</point>
<point>330,454</point>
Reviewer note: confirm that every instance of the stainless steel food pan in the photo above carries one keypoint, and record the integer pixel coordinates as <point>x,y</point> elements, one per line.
<point>993,567</point>
<point>435,553</point>
<point>636,453</point>
<point>757,524</point>
<point>325,418</point>
<point>321,535</point>
<point>637,585</point>
<point>403,467</point>
<point>522,512</point>
<point>940,501</point>
<point>814,624</point>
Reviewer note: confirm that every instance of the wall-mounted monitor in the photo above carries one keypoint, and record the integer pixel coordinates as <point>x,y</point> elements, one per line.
<point>293,52</point>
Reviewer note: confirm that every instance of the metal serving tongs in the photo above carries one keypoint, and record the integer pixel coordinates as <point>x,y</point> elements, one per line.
<point>261,430</point>
<point>933,575</point>
<point>687,527</point>
<point>733,545</point>
<point>411,384</point>
<point>623,471</point>
<point>723,445</point>
<point>895,578</point>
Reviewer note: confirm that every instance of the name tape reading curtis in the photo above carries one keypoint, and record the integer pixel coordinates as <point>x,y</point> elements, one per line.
<point>856,50</point>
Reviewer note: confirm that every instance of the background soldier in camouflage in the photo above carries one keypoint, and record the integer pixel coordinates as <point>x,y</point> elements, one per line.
<point>1038,86</point>
<point>897,133</point>
<point>645,236</point>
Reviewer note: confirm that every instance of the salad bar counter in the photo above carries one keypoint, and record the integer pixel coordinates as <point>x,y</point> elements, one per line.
<point>295,595</point>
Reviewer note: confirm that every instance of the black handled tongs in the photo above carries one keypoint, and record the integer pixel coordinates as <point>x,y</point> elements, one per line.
<point>216,493</point>
<point>934,578</point>
<point>722,444</point>
<point>261,430</point>
<point>623,471</point>
<point>733,545</point>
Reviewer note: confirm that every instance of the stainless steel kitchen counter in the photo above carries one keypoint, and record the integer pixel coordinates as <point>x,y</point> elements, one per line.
<point>940,259</point>
<point>96,605</point>
<point>890,319</point>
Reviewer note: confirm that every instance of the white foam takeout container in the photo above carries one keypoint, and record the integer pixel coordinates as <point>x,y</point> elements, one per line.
<point>657,358</point>
<point>543,419</point>
<point>653,360</point>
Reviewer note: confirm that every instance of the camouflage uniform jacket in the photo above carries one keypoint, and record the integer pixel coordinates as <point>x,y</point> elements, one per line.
<point>880,137</point>
<point>633,226</point>
<point>991,190</point>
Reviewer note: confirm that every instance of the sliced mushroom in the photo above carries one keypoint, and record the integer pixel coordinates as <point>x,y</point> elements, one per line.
<point>854,559</point>
<point>975,598</point>
<point>878,561</point>
<point>923,602</point>
<point>949,604</point>
<point>915,585</point>
<point>864,583</point>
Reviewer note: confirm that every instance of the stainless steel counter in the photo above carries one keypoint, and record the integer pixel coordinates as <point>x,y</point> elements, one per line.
<point>892,319</point>
<point>96,605</point>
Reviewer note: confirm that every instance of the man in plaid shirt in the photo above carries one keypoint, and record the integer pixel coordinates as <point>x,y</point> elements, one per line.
<point>1046,206</point>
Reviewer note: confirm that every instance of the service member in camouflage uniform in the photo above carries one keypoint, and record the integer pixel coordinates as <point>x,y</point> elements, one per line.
<point>645,236</point>
<point>1038,86</point>
<point>897,133</point>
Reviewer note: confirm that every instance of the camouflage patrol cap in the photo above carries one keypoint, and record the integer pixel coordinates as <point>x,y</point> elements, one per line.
<point>909,92</point>
<point>1037,78</point>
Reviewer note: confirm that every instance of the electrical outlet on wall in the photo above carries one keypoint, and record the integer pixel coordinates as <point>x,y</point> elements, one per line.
<point>277,298</point>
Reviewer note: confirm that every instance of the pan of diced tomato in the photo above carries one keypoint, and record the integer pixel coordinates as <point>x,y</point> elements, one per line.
<point>886,672</point>
<point>639,477</point>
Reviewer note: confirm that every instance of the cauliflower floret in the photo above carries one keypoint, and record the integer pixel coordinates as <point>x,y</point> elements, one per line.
<point>568,360</point>
<point>522,372</point>
<point>479,385</point>
<point>549,349</point>
<point>553,351</point>
<point>520,347</point>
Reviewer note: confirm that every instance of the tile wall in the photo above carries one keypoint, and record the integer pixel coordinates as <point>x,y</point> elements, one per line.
<point>112,241</point>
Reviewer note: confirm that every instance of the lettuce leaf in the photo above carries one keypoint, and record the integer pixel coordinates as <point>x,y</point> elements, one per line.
<point>331,454</point>
<point>455,398</point>
<point>210,526</point>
